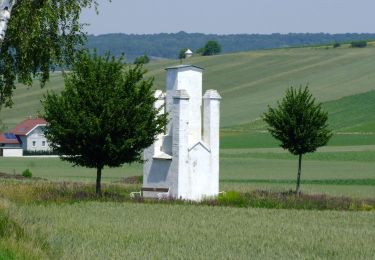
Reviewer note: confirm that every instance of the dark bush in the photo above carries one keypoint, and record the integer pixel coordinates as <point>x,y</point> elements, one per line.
<point>336,45</point>
<point>358,44</point>
<point>211,48</point>
<point>142,60</point>
<point>35,153</point>
<point>27,173</point>
<point>181,54</point>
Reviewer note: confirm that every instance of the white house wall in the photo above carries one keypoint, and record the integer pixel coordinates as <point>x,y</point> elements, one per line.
<point>12,152</point>
<point>37,136</point>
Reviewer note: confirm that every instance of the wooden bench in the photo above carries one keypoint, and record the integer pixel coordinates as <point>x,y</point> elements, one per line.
<point>155,189</point>
<point>162,192</point>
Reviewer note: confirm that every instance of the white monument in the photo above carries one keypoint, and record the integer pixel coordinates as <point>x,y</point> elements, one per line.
<point>183,163</point>
<point>188,54</point>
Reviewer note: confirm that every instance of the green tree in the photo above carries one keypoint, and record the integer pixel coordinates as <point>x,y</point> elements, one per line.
<point>358,44</point>
<point>40,35</point>
<point>181,54</point>
<point>299,123</point>
<point>200,51</point>
<point>105,116</point>
<point>144,59</point>
<point>211,48</point>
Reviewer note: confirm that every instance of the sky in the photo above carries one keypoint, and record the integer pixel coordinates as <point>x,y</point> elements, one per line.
<point>231,17</point>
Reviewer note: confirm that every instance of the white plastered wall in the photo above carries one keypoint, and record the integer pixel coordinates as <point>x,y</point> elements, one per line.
<point>12,152</point>
<point>183,160</point>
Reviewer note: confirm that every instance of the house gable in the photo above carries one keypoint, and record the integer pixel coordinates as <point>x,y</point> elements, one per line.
<point>28,125</point>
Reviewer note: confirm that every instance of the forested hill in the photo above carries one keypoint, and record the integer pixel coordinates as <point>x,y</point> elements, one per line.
<point>168,45</point>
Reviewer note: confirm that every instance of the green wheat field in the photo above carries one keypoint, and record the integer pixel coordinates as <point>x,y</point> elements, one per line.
<point>343,79</point>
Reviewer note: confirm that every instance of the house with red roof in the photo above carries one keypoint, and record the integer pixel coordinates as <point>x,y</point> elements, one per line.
<point>26,136</point>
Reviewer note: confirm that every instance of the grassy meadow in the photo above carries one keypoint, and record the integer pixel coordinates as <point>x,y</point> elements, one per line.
<point>250,159</point>
<point>133,231</point>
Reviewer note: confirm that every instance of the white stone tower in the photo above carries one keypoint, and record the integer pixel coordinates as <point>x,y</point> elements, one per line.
<point>188,54</point>
<point>184,162</point>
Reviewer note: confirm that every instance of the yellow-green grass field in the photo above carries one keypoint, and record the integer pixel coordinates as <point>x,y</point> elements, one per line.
<point>136,231</point>
<point>343,79</point>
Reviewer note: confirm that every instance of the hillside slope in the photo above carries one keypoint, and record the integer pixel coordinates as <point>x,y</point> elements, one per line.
<point>168,45</point>
<point>249,81</point>
<point>354,113</point>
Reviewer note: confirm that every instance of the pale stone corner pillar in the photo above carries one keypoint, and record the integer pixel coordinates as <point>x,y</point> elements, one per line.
<point>180,142</point>
<point>211,131</point>
<point>159,103</point>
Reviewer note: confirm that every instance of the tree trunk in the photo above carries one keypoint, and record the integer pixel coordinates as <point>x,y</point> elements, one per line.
<point>299,173</point>
<point>98,181</point>
<point>5,16</point>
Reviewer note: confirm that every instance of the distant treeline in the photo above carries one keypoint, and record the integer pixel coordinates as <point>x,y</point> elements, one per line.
<point>168,45</point>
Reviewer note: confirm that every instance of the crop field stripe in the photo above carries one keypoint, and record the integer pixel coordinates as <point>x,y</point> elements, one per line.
<point>249,81</point>
<point>366,156</point>
<point>365,182</point>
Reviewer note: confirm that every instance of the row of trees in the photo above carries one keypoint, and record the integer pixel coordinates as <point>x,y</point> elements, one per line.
<point>106,115</point>
<point>168,45</point>
<point>354,44</point>
<point>209,49</point>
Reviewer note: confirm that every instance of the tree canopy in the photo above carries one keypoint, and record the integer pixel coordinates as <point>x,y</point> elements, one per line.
<point>105,116</point>
<point>211,48</point>
<point>181,54</point>
<point>40,35</point>
<point>299,124</point>
<point>358,44</point>
<point>144,59</point>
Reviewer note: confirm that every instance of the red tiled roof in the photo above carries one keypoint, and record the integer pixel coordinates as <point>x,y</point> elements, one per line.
<point>27,125</point>
<point>6,138</point>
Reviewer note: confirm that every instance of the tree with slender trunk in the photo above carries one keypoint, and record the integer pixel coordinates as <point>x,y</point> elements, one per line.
<point>299,124</point>
<point>105,116</point>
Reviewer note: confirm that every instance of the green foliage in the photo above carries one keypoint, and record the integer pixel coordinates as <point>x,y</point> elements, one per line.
<point>336,45</point>
<point>27,173</point>
<point>287,200</point>
<point>144,59</point>
<point>358,44</point>
<point>299,123</point>
<point>42,152</point>
<point>66,192</point>
<point>211,48</point>
<point>105,116</point>
<point>181,54</point>
<point>232,198</point>
<point>40,35</point>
